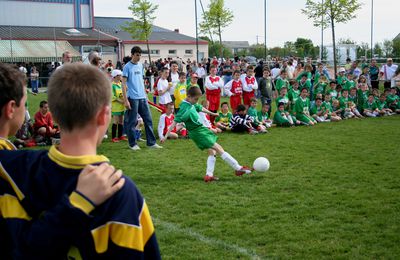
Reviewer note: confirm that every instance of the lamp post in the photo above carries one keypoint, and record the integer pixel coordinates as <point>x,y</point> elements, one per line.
<point>322,33</point>
<point>265,29</point>
<point>372,29</point>
<point>197,35</point>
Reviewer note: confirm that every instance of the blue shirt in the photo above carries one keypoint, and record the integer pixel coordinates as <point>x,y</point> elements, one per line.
<point>134,80</point>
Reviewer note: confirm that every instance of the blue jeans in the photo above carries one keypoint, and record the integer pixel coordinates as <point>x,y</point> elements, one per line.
<point>139,106</point>
<point>35,86</point>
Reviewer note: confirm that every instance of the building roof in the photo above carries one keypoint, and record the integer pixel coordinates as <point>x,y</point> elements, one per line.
<point>34,51</point>
<point>236,44</point>
<point>52,33</point>
<point>397,37</point>
<point>113,26</point>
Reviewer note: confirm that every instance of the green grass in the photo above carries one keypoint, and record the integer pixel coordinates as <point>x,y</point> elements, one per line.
<point>332,192</point>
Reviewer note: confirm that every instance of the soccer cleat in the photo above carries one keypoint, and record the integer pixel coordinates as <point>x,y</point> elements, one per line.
<point>155,146</point>
<point>210,178</point>
<point>135,147</point>
<point>115,140</point>
<point>243,170</point>
<point>123,138</point>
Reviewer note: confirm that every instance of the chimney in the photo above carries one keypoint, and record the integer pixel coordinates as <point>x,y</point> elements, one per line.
<point>176,30</point>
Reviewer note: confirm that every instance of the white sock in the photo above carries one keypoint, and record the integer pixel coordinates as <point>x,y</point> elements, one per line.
<point>210,165</point>
<point>231,161</point>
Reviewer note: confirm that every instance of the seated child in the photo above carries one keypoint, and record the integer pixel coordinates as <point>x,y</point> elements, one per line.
<point>283,98</point>
<point>263,115</point>
<point>382,106</point>
<point>117,108</point>
<point>336,109</point>
<point>166,120</point>
<point>392,98</point>
<point>328,107</point>
<point>370,107</point>
<point>302,107</point>
<point>205,118</point>
<point>252,112</point>
<point>43,126</point>
<point>54,173</point>
<point>293,94</point>
<point>241,122</point>
<point>332,90</point>
<point>222,120</point>
<point>283,118</point>
<point>345,105</point>
<point>318,112</point>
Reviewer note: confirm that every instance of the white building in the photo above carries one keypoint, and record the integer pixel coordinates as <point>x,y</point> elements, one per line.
<point>343,51</point>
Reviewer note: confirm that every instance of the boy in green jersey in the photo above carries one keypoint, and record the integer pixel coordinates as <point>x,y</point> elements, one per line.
<point>345,105</point>
<point>252,111</point>
<point>383,109</point>
<point>370,107</point>
<point>350,83</point>
<point>328,107</point>
<point>283,98</point>
<point>202,136</point>
<point>293,94</point>
<point>301,108</point>
<point>318,112</point>
<point>281,82</point>
<point>283,118</point>
<point>263,115</point>
<point>392,99</point>
<point>332,90</point>
<point>223,118</point>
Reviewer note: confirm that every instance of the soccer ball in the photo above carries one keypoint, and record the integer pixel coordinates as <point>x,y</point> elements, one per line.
<point>261,164</point>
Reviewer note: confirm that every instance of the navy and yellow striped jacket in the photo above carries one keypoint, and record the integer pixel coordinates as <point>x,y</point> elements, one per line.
<point>44,183</point>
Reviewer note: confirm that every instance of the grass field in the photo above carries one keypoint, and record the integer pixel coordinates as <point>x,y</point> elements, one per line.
<point>333,191</point>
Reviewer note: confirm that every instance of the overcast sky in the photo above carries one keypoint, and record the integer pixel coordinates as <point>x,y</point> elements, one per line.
<point>285,22</point>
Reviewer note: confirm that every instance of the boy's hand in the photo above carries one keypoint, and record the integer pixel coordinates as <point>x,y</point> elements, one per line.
<point>127,104</point>
<point>98,183</point>
<point>162,140</point>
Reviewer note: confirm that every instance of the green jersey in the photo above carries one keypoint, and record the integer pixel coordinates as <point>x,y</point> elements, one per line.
<point>308,74</point>
<point>262,116</point>
<point>189,115</point>
<point>381,104</point>
<point>370,105</point>
<point>280,83</point>
<point>353,99</point>
<point>362,97</point>
<point>333,93</point>
<point>305,84</point>
<point>302,106</point>
<point>315,110</point>
<point>293,95</point>
<point>327,106</point>
<point>344,102</point>
<point>341,80</point>
<point>349,85</point>
<point>392,99</point>
<point>224,118</point>
<point>280,118</point>
<point>284,100</point>
<point>252,111</point>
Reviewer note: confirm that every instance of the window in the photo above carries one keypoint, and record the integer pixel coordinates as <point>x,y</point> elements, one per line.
<point>172,52</point>
<point>156,52</point>
<point>188,51</point>
<point>109,49</point>
<point>87,49</point>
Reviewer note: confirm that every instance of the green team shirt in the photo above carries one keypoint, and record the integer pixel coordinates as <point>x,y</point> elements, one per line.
<point>349,84</point>
<point>251,111</point>
<point>381,104</point>
<point>302,106</point>
<point>284,100</point>
<point>280,118</point>
<point>309,75</point>
<point>333,93</point>
<point>117,95</point>
<point>341,80</point>
<point>362,97</point>
<point>281,83</point>
<point>392,98</point>
<point>293,95</point>
<point>353,99</point>
<point>224,118</point>
<point>262,116</point>
<point>370,105</point>
<point>327,106</point>
<point>189,114</point>
<point>305,84</point>
<point>320,88</point>
<point>315,110</point>
<point>344,102</point>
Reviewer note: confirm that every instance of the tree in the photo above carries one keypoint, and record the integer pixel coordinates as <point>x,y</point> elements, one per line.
<point>363,50</point>
<point>387,48</point>
<point>257,50</point>
<point>215,19</point>
<point>378,49</point>
<point>332,12</point>
<point>141,26</point>
<point>396,48</point>
<point>304,47</point>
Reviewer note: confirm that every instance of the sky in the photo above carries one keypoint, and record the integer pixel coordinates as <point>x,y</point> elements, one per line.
<point>285,22</point>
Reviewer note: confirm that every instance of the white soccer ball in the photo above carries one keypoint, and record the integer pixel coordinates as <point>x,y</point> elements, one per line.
<point>261,164</point>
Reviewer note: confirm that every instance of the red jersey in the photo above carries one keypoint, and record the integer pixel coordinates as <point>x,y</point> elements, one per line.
<point>237,87</point>
<point>43,120</point>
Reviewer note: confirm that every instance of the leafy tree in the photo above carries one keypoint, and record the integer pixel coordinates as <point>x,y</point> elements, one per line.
<point>378,50</point>
<point>141,26</point>
<point>214,49</point>
<point>304,47</point>
<point>215,19</point>
<point>257,50</point>
<point>363,50</point>
<point>290,48</point>
<point>396,48</point>
<point>333,11</point>
<point>387,48</point>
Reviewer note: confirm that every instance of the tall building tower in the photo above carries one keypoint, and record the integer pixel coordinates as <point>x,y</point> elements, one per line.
<point>47,13</point>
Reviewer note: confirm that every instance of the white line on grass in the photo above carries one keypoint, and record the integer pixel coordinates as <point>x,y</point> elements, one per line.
<point>208,240</point>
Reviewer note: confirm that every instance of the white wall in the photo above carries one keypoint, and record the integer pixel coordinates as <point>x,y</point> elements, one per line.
<point>36,14</point>
<point>85,16</point>
<point>164,51</point>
